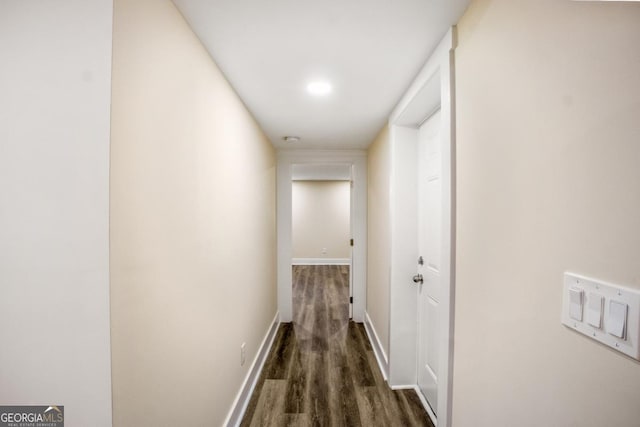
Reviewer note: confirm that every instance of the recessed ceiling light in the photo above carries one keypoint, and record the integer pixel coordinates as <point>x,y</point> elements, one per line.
<point>291,139</point>
<point>319,88</point>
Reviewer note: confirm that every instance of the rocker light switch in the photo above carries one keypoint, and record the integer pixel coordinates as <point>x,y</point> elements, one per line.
<point>617,320</point>
<point>595,303</point>
<point>603,312</point>
<point>575,303</point>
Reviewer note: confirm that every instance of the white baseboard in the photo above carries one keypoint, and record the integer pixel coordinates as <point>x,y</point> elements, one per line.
<point>321,261</point>
<point>378,349</point>
<point>244,395</point>
<point>403,387</point>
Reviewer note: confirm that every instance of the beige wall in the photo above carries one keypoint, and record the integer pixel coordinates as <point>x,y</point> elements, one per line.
<point>320,219</point>
<point>55,90</point>
<point>192,225</point>
<point>379,233</point>
<point>548,148</point>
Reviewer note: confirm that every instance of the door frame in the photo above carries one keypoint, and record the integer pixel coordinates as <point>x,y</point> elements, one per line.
<point>285,160</point>
<point>433,88</point>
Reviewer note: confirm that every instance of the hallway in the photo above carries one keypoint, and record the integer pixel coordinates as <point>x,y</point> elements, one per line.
<point>321,369</point>
<point>147,154</point>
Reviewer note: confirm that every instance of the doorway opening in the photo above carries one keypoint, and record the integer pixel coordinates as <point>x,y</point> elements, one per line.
<point>423,231</point>
<point>321,202</point>
<point>303,165</point>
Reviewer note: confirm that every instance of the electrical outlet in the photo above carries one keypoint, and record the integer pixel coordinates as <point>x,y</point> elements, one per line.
<point>243,354</point>
<point>324,251</point>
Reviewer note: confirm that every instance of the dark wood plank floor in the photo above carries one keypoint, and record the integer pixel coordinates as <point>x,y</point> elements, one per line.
<point>321,370</point>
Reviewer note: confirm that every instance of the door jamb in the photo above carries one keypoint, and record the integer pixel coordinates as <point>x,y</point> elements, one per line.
<point>285,160</point>
<point>433,87</point>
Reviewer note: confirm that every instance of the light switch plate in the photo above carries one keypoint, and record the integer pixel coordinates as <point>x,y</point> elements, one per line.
<point>629,341</point>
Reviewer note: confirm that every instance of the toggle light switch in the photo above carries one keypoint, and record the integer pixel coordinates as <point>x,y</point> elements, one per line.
<point>617,320</point>
<point>595,304</point>
<point>575,303</point>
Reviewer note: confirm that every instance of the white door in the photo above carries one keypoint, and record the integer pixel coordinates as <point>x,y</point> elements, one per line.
<point>430,251</point>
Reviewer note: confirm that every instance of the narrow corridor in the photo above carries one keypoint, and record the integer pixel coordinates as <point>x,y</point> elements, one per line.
<point>321,370</point>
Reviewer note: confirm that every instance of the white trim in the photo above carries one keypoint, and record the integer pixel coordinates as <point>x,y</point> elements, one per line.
<point>431,68</point>
<point>403,387</point>
<point>321,261</point>
<point>322,156</point>
<point>433,87</point>
<point>378,349</point>
<point>234,417</point>
<point>403,297</point>
<point>287,158</point>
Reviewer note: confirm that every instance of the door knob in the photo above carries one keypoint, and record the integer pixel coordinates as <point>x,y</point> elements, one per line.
<point>418,278</point>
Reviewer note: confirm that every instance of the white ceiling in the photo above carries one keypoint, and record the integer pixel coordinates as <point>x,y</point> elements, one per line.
<point>369,50</point>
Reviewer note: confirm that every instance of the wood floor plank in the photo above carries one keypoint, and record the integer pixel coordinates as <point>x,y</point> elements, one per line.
<point>358,359</point>
<point>280,357</point>
<point>296,392</point>
<point>415,408</point>
<point>318,390</point>
<point>294,420</point>
<point>321,370</point>
<point>343,402</point>
<point>270,404</point>
<point>370,407</point>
